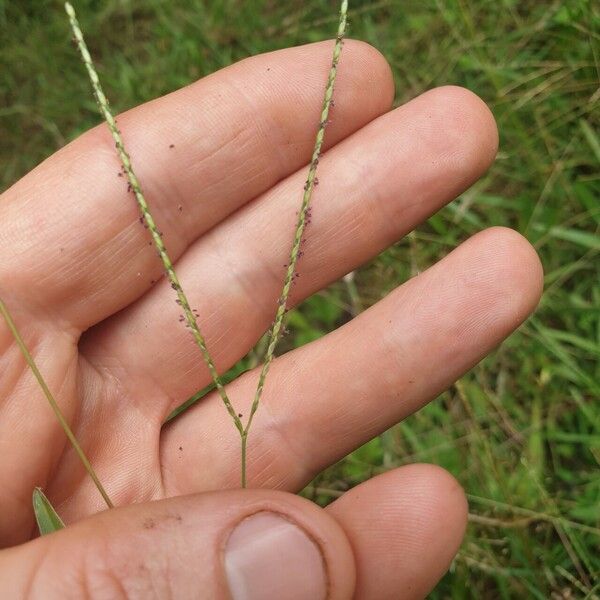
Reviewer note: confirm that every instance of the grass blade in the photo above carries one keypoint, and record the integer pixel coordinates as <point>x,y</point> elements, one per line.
<point>47,518</point>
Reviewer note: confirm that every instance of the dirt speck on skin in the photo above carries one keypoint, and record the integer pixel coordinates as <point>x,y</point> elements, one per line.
<point>153,523</point>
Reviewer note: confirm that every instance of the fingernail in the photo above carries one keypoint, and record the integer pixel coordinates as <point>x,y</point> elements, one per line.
<point>268,557</point>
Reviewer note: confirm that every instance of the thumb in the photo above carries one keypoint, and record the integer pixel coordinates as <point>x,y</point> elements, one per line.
<point>240,545</point>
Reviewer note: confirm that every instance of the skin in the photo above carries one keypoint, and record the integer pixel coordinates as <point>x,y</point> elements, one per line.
<point>85,288</point>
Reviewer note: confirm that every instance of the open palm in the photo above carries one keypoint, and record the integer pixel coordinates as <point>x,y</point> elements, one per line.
<point>222,163</point>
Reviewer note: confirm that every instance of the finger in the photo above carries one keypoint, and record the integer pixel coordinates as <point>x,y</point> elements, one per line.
<point>72,247</point>
<point>230,545</point>
<point>375,186</point>
<point>325,399</point>
<point>405,528</point>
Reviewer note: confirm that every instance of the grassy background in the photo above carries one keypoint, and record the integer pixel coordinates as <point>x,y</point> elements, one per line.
<point>521,431</point>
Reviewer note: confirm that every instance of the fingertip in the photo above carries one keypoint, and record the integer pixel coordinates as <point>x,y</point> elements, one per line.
<point>442,499</point>
<point>473,121</point>
<point>372,74</point>
<point>462,130</point>
<point>309,525</point>
<point>516,272</point>
<point>405,525</point>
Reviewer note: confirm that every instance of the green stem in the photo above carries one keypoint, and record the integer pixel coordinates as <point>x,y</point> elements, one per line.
<point>147,215</point>
<point>276,329</point>
<point>53,404</point>
<point>244,453</point>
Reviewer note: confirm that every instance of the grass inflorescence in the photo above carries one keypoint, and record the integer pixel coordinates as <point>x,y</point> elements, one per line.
<point>533,402</point>
<point>276,330</point>
<point>134,186</point>
<point>146,215</point>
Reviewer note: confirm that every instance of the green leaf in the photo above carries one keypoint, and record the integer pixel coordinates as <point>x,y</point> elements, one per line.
<point>591,137</point>
<point>583,238</point>
<point>47,519</point>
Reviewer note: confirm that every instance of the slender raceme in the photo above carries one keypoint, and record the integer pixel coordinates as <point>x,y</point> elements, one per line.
<point>276,329</point>
<point>53,404</point>
<point>156,235</point>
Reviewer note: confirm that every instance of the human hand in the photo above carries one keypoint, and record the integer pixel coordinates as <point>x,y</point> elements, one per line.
<point>222,163</point>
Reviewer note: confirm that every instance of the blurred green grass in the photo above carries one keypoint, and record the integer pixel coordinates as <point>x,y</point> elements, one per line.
<point>521,431</point>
